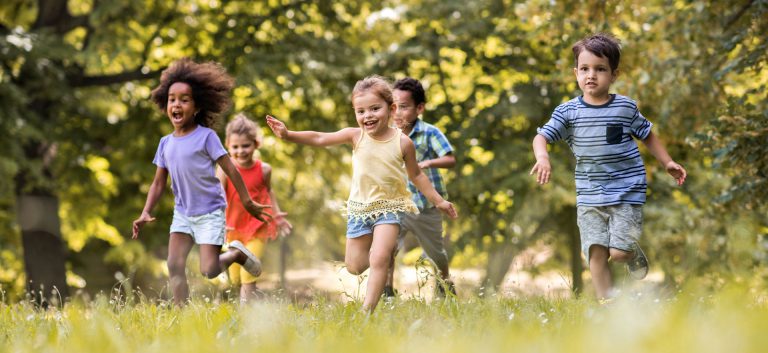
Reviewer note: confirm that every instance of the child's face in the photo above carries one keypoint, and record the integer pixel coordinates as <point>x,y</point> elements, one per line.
<point>594,76</point>
<point>407,112</point>
<point>181,107</point>
<point>241,149</point>
<point>372,113</point>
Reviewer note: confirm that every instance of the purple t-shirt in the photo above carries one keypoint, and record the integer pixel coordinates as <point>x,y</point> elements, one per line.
<point>191,162</point>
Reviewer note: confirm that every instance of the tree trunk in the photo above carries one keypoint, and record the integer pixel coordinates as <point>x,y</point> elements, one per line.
<point>574,249</point>
<point>38,217</point>
<point>499,260</point>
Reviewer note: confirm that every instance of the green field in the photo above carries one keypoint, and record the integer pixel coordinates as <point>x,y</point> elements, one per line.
<point>728,320</point>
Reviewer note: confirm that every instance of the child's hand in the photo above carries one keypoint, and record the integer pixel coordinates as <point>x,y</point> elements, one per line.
<point>283,226</point>
<point>277,126</point>
<point>138,223</point>
<point>676,171</point>
<point>543,170</point>
<point>257,210</point>
<point>447,208</point>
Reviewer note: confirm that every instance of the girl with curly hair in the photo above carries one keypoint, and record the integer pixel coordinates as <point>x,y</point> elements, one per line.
<point>193,96</point>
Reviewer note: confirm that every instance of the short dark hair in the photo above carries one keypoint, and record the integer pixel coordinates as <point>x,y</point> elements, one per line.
<point>211,87</point>
<point>413,86</point>
<point>601,44</point>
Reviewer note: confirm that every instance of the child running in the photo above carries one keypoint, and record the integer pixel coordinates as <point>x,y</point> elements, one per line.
<point>243,138</point>
<point>610,175</point>
<point>193,96</point>
<point>433,151</point>
<point>381,158</point>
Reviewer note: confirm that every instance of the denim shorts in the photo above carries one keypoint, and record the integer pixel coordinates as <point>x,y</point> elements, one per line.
<point>358,227</point>
<point>205,229</point>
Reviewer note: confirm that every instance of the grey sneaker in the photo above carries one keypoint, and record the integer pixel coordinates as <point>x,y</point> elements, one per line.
<point>638,265</point>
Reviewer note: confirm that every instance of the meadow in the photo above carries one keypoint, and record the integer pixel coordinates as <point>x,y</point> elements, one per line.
<point>732,318</point>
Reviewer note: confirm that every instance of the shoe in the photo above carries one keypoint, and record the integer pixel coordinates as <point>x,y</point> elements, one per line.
<point>389,292</point>
<point>638,265</point>
<point>443,285</point>
<point>252,263</point>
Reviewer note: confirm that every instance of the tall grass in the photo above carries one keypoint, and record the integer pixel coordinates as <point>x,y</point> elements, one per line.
<point>732,320</point>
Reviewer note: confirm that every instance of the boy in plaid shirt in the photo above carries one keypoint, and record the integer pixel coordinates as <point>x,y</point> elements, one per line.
<point>432,151</point>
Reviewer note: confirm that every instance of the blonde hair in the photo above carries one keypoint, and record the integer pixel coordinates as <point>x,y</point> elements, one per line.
<point>376,84</point>
<point>241,125</point>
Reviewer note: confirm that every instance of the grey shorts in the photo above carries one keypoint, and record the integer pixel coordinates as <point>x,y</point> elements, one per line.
<point>427,227</point>
<point>616,226</point>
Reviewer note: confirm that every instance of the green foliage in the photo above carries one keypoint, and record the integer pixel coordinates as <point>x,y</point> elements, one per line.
<point>76,112</point>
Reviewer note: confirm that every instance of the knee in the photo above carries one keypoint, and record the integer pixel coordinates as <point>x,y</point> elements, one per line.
<point>598,253</point>
<point>620,255</point>
<point>380,260</point>
<point>210,271</point>
<point>176,267</point>
<point>355,267</point>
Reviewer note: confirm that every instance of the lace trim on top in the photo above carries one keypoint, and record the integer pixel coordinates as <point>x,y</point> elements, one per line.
<point>374,209</point>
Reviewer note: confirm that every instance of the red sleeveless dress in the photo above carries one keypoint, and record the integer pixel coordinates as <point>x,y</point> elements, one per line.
<point>240,224</point>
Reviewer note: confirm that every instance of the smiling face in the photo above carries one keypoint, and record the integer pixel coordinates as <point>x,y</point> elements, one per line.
<point>372,113</point>
<point>407,111</point>
<point>181,108</point>
<point>594,75</point>
<point>241,149</point>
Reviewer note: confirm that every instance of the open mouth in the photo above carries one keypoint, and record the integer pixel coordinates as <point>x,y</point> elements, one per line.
<point>177,115</point>
<point>370,123</point>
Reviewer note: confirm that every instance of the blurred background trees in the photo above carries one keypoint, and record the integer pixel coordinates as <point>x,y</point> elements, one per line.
<point>80,132</point>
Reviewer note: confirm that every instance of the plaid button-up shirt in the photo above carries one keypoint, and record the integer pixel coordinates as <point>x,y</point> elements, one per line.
<point>430,143</point>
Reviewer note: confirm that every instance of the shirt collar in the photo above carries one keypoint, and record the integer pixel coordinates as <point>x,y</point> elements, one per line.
<point>418,126</point>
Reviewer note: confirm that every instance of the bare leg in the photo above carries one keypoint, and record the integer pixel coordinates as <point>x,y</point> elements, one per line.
<point>621,255</point>
<point>384,243</point>
<point>179,246</point>
<point>249,291</point>
<point>601,273</point>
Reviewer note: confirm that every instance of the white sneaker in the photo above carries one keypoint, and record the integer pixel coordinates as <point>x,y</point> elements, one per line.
<point>252,263</point>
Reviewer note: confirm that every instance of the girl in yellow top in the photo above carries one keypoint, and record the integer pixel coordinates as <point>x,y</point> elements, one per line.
<point>378,193</point>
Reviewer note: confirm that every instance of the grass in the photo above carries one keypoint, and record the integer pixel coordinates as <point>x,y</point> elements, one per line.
<point>690,321</point>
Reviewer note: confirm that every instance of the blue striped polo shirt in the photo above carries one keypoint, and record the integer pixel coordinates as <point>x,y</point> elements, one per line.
<point>609,168</point>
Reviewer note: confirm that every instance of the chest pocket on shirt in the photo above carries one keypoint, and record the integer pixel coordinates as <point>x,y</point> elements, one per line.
<point>614,133</point>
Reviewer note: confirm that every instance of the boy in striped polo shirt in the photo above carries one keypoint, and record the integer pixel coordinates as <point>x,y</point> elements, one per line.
<point>610,174</point>
<point>432,151</point>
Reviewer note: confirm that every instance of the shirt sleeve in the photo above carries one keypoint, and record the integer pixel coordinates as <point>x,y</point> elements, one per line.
<point>159,159</point>
<point>556,128</point>
<point>440,143</point>
<point>640,126</point>
<point>213,146</point>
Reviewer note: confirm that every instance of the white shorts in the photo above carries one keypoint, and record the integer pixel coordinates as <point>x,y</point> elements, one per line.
<point>205,229</point>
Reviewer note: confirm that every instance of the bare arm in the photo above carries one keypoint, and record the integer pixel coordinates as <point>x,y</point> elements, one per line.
<point>155,191</point>
<point>657,150</point>
<point>421,181</point>
<point>313,138</point>
<point>447,161</point>
<point>283,225</point>
<point>254,208</point>
<point>542,168</point>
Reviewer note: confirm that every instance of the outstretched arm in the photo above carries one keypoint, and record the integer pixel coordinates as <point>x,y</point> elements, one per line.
<point>155,191</point>
<point>542,168</point>
<point>657,150</point>
<point>313,138</point>
<point>254,208</point>
<point>421,181</point>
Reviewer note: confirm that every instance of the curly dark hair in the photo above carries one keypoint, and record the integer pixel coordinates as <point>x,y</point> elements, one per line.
<point>414,86</point>
<point>211,87</point>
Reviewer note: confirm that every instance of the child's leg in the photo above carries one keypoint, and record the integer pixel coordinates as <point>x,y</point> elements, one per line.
<point>179,246</point>
<point>213,261</point>
<point>357,253</point>
<point>248,288</point>
<point>382,248</point>
<point>601,273</point>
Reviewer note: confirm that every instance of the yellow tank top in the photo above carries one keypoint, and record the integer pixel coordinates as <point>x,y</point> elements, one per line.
<point>378,179</point>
